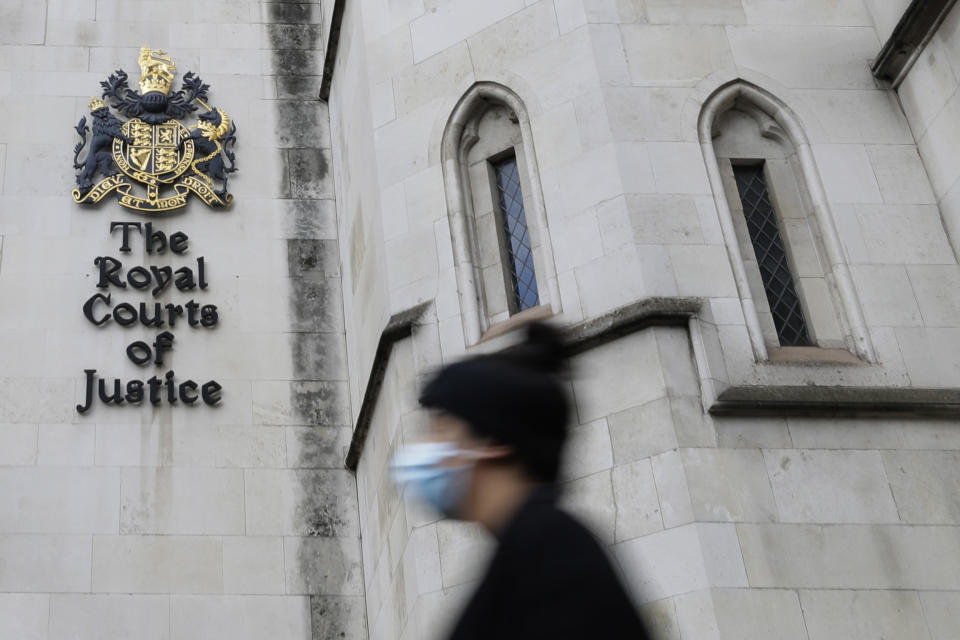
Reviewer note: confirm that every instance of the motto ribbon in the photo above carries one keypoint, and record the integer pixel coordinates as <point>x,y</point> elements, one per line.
<point>125,196</point>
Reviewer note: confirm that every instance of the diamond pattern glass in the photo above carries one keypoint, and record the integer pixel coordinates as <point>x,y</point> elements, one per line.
<point>771,256</point>
<point>516,235</point>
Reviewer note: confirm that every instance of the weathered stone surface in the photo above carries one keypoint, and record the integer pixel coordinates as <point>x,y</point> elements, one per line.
<point>157,564</point>
<point>923,485</point>
<point>59,500</point>
<point>18,444</point>
<point>683,559</point>
<point>239,617</point>
<point>849,556</point>
<point>302,502</point>
<point>728,485</point>
<point>638,506</point>
<point>30,567</point>
<point>863,614</point>
<point>338,617</point>
<point>755,614</point>
<point>183,501</point>
<point>830,486</point>
<point>306,171</point>
<point>322,565</point>
<point>26,615</point>
<point>941,612</point>
<point>253,565</point>
<point>86,617</point>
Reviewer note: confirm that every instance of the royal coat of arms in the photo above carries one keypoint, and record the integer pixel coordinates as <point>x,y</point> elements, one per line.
<point>153,149</point>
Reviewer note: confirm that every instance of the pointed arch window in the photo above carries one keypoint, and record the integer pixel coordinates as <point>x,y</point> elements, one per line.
<point>793,282</point>
<point>501,243</point>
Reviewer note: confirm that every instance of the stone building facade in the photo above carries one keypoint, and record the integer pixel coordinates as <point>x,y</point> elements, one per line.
<point>744,214</point>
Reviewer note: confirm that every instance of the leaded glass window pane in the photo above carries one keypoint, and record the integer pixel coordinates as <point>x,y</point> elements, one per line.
<point>516,235</point>
<point>771,256</point>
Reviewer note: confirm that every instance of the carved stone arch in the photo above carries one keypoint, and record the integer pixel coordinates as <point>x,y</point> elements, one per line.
<point>777,120</point>
<point>769,128</point>
<point>459,136</point>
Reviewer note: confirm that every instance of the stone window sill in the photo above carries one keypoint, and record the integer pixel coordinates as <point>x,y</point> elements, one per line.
<point>811,355</point>
<point>517,320</point>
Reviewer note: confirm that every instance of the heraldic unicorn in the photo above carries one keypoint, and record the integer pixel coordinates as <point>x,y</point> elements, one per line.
<point>153,148</point>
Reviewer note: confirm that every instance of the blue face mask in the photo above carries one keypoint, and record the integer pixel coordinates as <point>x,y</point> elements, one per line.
<point>419,466</point>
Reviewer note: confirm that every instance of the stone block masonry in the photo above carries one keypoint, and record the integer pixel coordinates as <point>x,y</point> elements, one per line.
<point>232,520</point>
<point>746,490</point>
<point>727,526</point>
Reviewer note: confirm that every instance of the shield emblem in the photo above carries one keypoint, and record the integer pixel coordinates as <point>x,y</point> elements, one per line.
<point>156,153</point>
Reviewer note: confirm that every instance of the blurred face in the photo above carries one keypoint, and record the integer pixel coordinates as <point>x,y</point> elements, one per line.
<point>457,472</point>
<point>448,428</point>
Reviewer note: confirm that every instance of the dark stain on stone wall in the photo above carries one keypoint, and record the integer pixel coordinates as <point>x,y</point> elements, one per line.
<point>327,514</point>
<point>329,613</point>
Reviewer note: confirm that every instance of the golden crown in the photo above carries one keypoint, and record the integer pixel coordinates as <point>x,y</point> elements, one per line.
<point>156,70</point>
<point>95,103</point>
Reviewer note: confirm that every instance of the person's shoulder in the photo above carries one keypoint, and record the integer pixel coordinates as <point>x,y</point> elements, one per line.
<point>548,527</point>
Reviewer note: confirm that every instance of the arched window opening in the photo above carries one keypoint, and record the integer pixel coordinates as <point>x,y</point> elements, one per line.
<point>498,224</point>
<point>794,284</point>
<point>499,188</point>
<point>775,232</point>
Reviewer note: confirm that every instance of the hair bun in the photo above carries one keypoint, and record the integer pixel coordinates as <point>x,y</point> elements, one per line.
<point>543,350</point>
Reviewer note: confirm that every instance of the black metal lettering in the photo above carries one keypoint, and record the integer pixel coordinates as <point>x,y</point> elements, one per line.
<point>185,280</point>
<point>178,242</point>
<point>126,226</point>
<point>154,385</point>
<point>88,308</point>
<point>109,268</point>
<point>164,342</point>
<point>116,397</point>
<point>139,352</point>
<point>171,389</point>
<point>135,391</point>
<point>162,275</point>
<point>156,320</point>
<point>192,313</point>
<point>88,394</point>
<point>173,312</point>
<point>154,237</point>
<point>208,315</point>
<point>211,392</point>
<point>139,277</point>
<point>124,314</point>
<point>188,399</point>
<point>201,272</point>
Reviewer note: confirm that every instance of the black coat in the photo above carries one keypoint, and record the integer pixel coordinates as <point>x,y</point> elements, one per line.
<point>549,578</point>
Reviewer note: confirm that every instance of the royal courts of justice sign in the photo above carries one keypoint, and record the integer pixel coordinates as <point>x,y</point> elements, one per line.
<point>153,163</point>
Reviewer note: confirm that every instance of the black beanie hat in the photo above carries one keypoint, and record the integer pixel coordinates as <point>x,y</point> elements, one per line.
<point>514,397</point>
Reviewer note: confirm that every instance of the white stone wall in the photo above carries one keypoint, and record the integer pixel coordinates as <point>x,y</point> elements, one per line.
<point>929,98</point>
<point>365,298</point>
<point>174,523</point>
<point>725,527</point>
<point>886,14</point>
